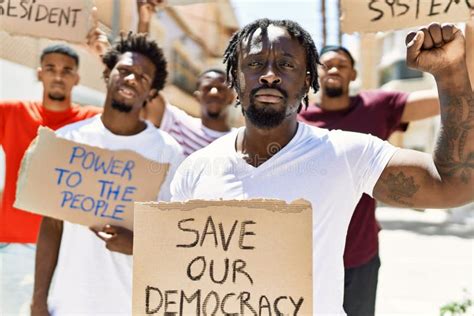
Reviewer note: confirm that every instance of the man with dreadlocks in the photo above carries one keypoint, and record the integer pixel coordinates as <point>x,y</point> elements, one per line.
<point>88,278</point>
<point>272,65</point>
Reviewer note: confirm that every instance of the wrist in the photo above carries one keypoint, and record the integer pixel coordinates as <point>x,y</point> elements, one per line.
<point>454,79</point>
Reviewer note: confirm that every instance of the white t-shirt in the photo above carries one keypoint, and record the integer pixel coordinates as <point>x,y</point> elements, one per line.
<point>331,169</point>
<point>187,130</point>
<point>89,279</point>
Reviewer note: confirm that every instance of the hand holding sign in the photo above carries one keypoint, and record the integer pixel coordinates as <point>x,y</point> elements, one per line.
<point>97,40</point>
<point>116,238</point>
<point>436,49</point>
<point>84,184</point>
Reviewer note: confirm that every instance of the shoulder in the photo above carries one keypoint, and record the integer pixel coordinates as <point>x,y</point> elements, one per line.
<point>219,150</point>
<point>79,126</point>
<point>18,104</point>
<point>338,139</point>
<point>87,111</point>
<point>352,143</point>
<point>164,138</point>
<point>180,115</point>
<point>382,97</point>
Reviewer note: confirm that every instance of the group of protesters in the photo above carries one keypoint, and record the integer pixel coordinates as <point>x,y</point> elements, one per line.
<point>270,67</point>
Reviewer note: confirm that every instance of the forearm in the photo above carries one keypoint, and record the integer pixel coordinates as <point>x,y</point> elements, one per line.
<point>145,13</point>
<point>446,179</point>
<point>47,251</point>
<point>420,105</point>
<point>454,153</point>
<point>470,48</point>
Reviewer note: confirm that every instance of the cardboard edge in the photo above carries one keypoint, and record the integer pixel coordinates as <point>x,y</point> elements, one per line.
<point>25,164</point>
<point>274,205</point>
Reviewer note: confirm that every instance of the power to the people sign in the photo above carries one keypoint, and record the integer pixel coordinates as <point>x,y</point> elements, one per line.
<point>84,184</point>
<point>68,20</point>
<point>384,15</point>
<point>201,257</point>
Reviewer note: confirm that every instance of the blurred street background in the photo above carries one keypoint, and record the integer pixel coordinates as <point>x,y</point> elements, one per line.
<point>427,260</point>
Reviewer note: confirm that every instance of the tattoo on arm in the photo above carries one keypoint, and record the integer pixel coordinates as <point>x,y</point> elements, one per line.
<point>400,187</point>
<point>454,154</point>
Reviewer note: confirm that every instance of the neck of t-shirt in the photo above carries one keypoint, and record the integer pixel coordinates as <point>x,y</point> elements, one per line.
<point>217,125</point>
<point>341,103</point>
<point>57,106</point>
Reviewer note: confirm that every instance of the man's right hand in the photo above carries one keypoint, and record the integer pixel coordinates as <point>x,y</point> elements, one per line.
<point>146,9</point>
<point>97,40</point>
<point>39,310</point>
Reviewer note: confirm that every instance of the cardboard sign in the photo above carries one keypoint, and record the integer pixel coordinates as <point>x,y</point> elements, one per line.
<point>68,20</point>
<point>84,184</point>
<point>223,258</point>
<point>385,15</point>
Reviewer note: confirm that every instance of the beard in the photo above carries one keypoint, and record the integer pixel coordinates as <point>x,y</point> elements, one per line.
<point>334,92</point>
<point>268,117</point>
<point>265,118</point>
<point>57,97</point>
<point>121,107</point>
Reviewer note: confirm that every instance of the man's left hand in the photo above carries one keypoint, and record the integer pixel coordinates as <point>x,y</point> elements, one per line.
<point>116,238</point>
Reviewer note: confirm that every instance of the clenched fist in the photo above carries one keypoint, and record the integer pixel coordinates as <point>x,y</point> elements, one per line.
<point>437,49</point>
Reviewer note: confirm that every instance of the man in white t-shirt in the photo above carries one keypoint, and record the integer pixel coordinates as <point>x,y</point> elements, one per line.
<point>93,269</point>
<point>214,96</point>
<point>272,65</point>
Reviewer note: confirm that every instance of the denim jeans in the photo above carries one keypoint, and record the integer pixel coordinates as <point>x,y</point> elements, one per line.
<point>17,264</point>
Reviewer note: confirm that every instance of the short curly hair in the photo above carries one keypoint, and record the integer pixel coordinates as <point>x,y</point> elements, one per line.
<point>139,43</point>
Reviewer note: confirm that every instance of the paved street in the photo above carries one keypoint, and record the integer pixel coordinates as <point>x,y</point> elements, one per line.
<point>426,261</point>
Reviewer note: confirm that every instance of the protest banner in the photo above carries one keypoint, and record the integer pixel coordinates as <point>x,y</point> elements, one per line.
<point>84,184</point>
<point>233,257</point>
<point>128,14</point>
<point>383,15</point>
<point>55,19</point>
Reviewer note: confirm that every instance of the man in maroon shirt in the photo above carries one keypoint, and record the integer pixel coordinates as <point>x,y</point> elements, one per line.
<point>379,113</point>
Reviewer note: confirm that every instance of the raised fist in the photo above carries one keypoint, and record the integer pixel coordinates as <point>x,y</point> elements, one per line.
<point>437,49</point>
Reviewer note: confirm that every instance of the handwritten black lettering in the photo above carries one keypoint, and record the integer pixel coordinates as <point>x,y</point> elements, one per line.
<point>243,233</point>
<point>391,4</point>
<point>404,5</point>
<point>434,4</point>
<point>239,266</point>
<point>417,9</point>
<point>262,304</point>
<point>209,229</point>
<point>169,301</point>
<point>373,8</point>
<point>275,304</point>
<point>74,19</point>
<point>196,295</point>
<point>225,243</point>
<point>297,304</point>
<point>195,232</point>
<point>198,276</point>
<point>10,8</point>
<point>148,294</point>
<point>244,299</point>
<point>206,303</point>
<point>226,272</point>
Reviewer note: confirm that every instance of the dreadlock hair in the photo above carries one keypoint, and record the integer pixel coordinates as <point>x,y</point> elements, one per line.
<point>294,29</point>
<point>139,43</point>
<point>205,72</point>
